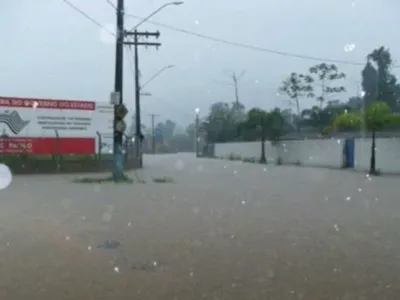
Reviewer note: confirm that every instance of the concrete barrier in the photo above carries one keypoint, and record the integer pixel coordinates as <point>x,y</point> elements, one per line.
<point>319,152</point>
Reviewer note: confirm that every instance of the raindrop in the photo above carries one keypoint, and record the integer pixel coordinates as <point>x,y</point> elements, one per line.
<point>326,198</point>
<point>235,172</point>
<point>348,198</point>
<point>191,274</point>
<point>265,169</point>
<point>67,238</point>
<point>179,165</point>
<point>5,176</point>
<point>89,248</point>
<point>116,269</point>
<point>155,264</point>
<point>336,226</point>
<point>376,199</point>
<point>225,167</point>
<point>359,189</point>
<point>243,202</point>
<point>35,104</point>
<point>97,188</point>
<point>107,216</point>
<point>338,141</point>
<point>196,22</point>
<point>271,274</point>
<point>129,224</point>
<point>349,47</point>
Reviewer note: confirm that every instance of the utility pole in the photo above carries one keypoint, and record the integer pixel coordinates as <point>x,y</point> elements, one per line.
<point>120,110</point>
<point>235,83</point>
<point>136,34</point>
<point>153,135</point>
<point>197,128</point>
<point>235,78</point>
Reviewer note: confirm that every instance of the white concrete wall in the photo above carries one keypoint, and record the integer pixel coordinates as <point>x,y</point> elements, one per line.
<point>323,153</point>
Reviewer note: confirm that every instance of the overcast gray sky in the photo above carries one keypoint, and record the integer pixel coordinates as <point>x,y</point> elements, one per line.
<point>50,50</point>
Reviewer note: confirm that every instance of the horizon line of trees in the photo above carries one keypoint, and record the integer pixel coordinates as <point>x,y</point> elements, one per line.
<point>376,108</point>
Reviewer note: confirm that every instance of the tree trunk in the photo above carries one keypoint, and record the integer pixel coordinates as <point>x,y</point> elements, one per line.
<point>298,115</point>
<point>263,159</point>
<point>372,167</point>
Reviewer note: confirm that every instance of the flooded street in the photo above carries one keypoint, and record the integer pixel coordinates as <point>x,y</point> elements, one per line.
<point>221,230</point>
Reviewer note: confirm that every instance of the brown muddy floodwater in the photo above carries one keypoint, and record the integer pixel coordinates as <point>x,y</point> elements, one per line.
<point>222,230</point>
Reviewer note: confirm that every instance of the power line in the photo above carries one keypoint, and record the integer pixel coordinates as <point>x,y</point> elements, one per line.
<point>251,47</point>
<point>227,42</point>
<point>112,4</point>
<point>87,16</point>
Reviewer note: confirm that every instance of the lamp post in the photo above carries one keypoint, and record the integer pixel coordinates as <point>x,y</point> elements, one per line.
<point>197,111</point>
<point>152,78</point>
<point>158,73</point>
<point>156,11</point>
<point>138,87</point>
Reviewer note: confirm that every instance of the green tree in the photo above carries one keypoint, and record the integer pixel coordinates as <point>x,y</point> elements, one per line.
<point>267,125</point>
<point>167,129</point>
<point>369,83</point>
<point>295,87</point>
<point>377,116</point>
<point>378,81</point>
<point>221,124</point>
<point>323,76</point>
<point>319,118</point>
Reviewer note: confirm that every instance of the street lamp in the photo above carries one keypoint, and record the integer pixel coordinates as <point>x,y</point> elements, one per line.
<point>197,111</point>
<point>156,11</point>
<point>158,73</point>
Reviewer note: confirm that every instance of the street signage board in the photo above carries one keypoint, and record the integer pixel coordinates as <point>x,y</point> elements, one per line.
<point>120,126</point>
<point>121,111</point>
<point>47,126</point>
<point>115,98</point>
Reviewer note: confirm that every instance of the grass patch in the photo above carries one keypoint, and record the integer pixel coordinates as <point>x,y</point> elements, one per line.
<point>163,180</point>
<point>250,160</point>
<point>233,156</point>
<point>110,179</point>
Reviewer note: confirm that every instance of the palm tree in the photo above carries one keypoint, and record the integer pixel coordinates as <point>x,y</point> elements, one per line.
<point>268,125</point>
<point>377,116</point>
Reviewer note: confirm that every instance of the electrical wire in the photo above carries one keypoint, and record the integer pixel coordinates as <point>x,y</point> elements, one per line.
<point>227,42</point>
<point>87,16</point>
<point>252,47</point>
<point>112,4</point>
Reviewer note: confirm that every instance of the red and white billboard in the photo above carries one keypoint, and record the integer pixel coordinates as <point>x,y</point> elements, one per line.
<point>48,126</point>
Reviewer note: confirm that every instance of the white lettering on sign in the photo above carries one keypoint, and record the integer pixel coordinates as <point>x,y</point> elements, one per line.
<point>47,103</point>
<point>30,118</point>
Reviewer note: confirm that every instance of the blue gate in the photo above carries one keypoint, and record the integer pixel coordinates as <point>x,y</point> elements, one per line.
<point>348,153</point>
